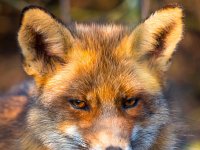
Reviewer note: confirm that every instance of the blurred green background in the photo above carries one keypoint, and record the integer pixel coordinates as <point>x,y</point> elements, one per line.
<point>184,75</point>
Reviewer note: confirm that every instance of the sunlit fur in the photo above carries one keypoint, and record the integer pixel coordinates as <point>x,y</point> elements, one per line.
<point>103,65</point>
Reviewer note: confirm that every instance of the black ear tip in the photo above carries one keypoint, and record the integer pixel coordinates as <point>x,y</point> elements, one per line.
<point>27,8</point>
<point>31,7</point>
<point>173,5</point>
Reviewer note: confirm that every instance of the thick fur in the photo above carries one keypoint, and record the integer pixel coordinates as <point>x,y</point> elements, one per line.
<point>103,65</point>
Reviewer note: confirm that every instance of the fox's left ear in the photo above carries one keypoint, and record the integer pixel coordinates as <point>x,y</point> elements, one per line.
<point>44,41</point>
<point>154,41</point>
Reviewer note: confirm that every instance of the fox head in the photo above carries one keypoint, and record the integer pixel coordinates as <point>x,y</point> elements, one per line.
<point>99,86</point>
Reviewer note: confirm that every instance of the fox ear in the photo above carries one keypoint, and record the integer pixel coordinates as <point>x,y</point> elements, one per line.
<point>43,40</point>
<point>154,40</point>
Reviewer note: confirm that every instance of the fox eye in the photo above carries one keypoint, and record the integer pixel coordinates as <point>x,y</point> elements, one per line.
<point>78,104</point>
<point>129,103</point>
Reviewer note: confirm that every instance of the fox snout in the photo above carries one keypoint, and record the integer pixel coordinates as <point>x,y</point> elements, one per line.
<point>110,134</point>
<point>109,141</point>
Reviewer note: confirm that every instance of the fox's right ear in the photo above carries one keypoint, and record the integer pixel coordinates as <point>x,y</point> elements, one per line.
<point>153,42</point>
<point>43,40</point>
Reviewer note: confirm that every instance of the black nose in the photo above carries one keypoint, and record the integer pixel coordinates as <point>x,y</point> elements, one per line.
<point>113,148</point>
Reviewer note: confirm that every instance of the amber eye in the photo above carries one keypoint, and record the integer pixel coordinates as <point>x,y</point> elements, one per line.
<point>78,104</point>
<point>129,103</point>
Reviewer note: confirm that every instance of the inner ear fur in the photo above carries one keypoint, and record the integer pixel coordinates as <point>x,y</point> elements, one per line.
<point>43,39</point>
<point>154,41</point>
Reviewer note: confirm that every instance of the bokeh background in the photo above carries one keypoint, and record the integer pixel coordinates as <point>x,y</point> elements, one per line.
<point>184,75</point>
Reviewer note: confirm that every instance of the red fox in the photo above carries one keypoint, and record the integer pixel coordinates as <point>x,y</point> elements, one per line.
<point>96,86</point>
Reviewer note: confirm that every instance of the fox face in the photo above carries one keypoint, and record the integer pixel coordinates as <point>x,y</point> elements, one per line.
<point>99,86</point>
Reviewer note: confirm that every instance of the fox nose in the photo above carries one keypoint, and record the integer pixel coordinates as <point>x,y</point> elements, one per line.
<point>113,148</point>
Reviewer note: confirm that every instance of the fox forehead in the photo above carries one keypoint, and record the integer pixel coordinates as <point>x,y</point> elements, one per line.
<point>103,39</point>
<point>97,34</point>
<point>93,73</point>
